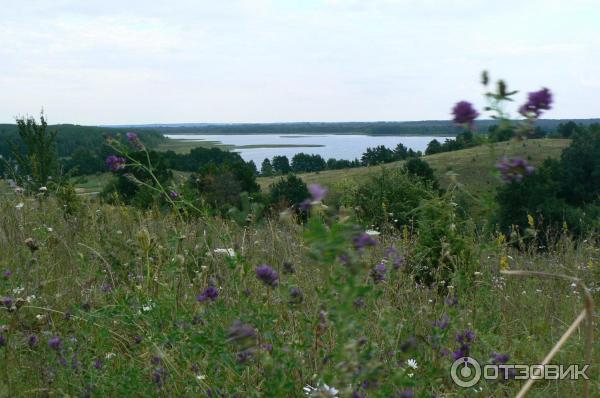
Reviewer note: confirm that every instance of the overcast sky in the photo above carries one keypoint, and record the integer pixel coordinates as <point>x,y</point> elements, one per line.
<point>119,62</point>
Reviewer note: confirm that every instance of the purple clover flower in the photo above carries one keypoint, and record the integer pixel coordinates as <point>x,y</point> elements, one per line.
<point>210,293</point>
<point>537,102</point>
<point>464,113</point>
<point>514,170</point>
<point>115,163</point>
<point>363,240</point>
<point>268,275</point>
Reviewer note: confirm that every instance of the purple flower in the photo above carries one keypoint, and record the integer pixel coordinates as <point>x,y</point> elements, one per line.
<point>138,339</point>
<point>210,293</point>
<point>268,275</point>
<point>106,288</point>
<point>408,393</point>
<point>317,192</point>
<point>134,140</point>
<point>451,301</point>
<point>239,331</point>
<point>466,337</point>
<point>296,296</point>
<point>173,195</point>
<point>32,341</point>
<point>115,163</point>
<point>378,273</point>
<point>7,302</point>
<point>54,342</point>
<point>537,102</point>
<point>442,323</point>
<point>514,170</point>
<point>363,240</point>
<point>499,359</point>
<point>461,352</point>
<point>464,113</point>
<point>98,364</point>
<point>2,340</point>
<point>7,274</point>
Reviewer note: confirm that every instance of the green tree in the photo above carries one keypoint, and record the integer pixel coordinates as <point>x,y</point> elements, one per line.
<point>281,165</point>
<point>37,159</point>
<point>266,169</point>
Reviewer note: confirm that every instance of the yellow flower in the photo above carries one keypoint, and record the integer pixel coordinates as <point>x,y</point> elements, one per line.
<point>504,263</point>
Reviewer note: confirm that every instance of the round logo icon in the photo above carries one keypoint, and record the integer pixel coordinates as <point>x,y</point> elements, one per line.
<point>465,372</point>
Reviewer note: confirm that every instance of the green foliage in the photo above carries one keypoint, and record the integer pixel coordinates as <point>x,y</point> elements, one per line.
<point>420,168</point>
<point>288,191</point>
<point>390,196</point>
<point>444,243</point>
<point>37,164</point>
<point>302,162</point>
<point>281,165</point>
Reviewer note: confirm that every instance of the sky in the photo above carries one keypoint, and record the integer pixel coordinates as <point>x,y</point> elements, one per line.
<point>231,61</point>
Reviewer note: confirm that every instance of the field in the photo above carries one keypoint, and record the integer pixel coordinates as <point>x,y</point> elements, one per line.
<point>105,302</point>
<point>472,167</point>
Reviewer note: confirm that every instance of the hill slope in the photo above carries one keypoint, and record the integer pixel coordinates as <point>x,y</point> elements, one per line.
<point>472,167</point>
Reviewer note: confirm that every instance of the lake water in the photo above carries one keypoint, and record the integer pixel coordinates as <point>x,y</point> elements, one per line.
<point>339,146</point>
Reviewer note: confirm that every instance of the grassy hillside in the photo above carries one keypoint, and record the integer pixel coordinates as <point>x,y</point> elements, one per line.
<point>470,167</point>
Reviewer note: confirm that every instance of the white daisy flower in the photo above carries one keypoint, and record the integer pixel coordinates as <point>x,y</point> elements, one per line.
<point>412,363</point>
<point>372,232</point>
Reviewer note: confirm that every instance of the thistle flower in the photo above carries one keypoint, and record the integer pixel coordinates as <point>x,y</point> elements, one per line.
<point>115,163</point>
<point>210,293</point>
<point>134,140</point>
<point>464,113</point>
<point>514,170</point>
<point>537,102</point>
<point>317,192</point>
<point>7,302</point>
<point>268,275</point>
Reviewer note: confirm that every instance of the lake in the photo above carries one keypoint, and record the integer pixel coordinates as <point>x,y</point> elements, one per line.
<point>257,147</point>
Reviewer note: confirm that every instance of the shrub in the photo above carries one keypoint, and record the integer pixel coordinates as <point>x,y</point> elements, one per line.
<point>391,196</point>
<point>288,191</point>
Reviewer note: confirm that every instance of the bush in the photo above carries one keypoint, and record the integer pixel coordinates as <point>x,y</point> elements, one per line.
<point>391,196</point>
<point>288,191</point>
<point>420,168</point>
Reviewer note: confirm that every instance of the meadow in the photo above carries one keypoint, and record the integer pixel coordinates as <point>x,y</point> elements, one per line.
<point>110,300</point>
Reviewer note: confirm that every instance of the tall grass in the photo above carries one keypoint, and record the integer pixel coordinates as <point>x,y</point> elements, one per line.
<point>104,302</point>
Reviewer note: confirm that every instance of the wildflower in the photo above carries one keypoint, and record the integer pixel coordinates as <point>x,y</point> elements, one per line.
<point>98,363</point>
<point>210,293</point>
<point>378,273</point>
<point>7,274</point>
<point>408,393</point>
<point>115,163</point>
<point>317,192</point>
<point>442,323</point>
<point>412,363</point>
<point>363,240</point>
<point>239,331</point>
<point>513,170</point>
<point>55,342</point>
<point>32,341</point>
<point>296,296</point>
<point>31,244</point>
<point>19,205</point>
<point>230,252</point>
<point>134,140</point>
<point>537,102</point>
<point>464,113</point>
<point>268,275</point>
<point>43,189</point>
<point>7,302</point>
<point>106,288</point>
<point>322,390</point>
<point>467,336</point>
<point>173,195</point>
<point>499,359</point>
